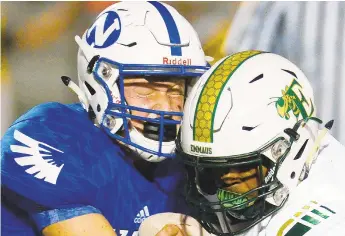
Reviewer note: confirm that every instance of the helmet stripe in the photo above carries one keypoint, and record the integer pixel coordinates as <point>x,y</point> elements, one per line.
<point>174,35</point>
<point>209,96</point>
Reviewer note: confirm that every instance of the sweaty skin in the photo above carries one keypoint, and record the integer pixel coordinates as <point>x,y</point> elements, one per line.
<point>243,181</point>
<point>156,94</point>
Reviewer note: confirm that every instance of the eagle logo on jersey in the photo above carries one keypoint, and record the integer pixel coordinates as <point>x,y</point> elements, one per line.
<point>34,156</point>
<point>290,101</point>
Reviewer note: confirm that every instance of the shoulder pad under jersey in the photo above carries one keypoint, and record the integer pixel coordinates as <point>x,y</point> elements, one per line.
<point>55,156</point>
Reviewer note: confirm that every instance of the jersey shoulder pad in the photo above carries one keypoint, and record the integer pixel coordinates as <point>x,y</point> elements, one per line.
<point>54,111</point>
<point>53,155</point>
<point>315,206</point>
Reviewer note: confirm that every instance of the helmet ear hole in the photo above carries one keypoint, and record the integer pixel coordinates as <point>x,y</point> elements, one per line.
<point>293,174</point>
<point>91,113</point>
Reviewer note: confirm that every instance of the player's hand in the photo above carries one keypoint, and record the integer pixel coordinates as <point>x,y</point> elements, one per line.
<point>170,230</point>
<point>171,224</point>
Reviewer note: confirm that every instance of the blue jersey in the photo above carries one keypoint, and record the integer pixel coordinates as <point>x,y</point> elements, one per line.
<point>56,165</point>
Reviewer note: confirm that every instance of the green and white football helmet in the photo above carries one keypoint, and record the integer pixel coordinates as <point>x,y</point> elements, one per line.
<point>251,110</point>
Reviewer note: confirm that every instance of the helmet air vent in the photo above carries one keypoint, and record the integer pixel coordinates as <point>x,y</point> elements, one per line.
<point>249,128</point>
<point>132,44</point>
<point>91,90</point>
<point>300,152</point>
<point>290,72</point>
<point>257,78</point>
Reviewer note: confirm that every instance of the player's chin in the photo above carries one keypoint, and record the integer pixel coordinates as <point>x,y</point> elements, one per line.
<point>169,223</point>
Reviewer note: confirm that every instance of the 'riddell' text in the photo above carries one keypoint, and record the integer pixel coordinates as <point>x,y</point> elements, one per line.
<point>176,61</point>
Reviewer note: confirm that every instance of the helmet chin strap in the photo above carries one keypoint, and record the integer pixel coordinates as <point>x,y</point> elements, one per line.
<point>138,138</point>
<point>75,88</point>
<point>312,155</point>
<point>224,222</point>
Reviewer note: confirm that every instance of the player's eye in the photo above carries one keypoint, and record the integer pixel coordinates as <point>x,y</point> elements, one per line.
<point>144,91</point>
<point>176,91</point>
<point>209,179</point>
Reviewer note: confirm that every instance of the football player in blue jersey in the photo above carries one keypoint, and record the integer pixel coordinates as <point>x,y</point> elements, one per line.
<point>94,168</point>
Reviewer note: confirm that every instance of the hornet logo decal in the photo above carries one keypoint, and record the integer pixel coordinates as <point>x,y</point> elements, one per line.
<point>290,101</point>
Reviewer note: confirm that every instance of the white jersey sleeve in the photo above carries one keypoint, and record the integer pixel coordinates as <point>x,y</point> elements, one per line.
<point>316,206</point>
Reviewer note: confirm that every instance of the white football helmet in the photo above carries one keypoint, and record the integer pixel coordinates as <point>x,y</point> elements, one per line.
<point>135,39</point>
<point>250,110</point>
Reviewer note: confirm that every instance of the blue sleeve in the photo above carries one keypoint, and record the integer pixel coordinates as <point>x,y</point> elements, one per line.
<point>46,218</point>
<point>47,166</point>
<point>41,216</point>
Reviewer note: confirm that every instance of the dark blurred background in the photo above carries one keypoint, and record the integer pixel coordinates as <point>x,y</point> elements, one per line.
<point>37,45</point>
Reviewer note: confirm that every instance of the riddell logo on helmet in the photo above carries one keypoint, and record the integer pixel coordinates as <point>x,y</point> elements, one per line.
<point>199,149</point>
<point>270,174</point>
<point>176,61</point>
